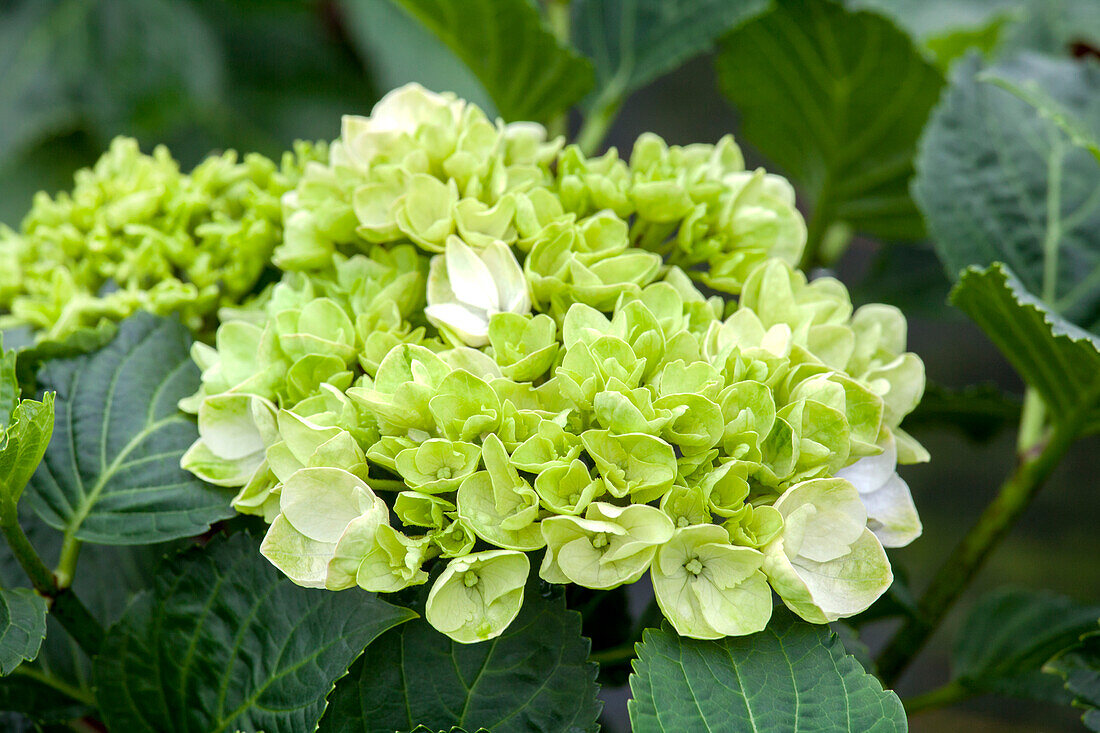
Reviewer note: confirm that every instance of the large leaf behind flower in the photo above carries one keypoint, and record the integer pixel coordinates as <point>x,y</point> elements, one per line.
<point>999,181</point>
<point>632,42</point>
<point>224,642</point>
<point>525,70</point>
<point>837,99</point>
<point>111,473</point>
<point>535,676</point>
<point>791,676</point>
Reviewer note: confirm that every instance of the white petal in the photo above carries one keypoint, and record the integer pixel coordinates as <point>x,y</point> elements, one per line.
<point>472,326</point>
<point>470,279</point>
<point>891,514</point>
<point>869,474</point>
<point>511,285</point>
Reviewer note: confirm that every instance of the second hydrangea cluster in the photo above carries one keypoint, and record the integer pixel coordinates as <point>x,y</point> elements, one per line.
<point>487,348</point>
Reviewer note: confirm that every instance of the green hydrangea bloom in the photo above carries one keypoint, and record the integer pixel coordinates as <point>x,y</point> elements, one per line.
<point>136,233</point>
<point>504,339</point>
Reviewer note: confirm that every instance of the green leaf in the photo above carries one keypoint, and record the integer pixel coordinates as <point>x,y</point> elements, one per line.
<point>979,411</point>
<point>1076,129</point>
<point>1079,668</point>
<point>999,182</point>
<point>791,676</point>
<point>1058,359</point>
<point>633,42</point>
<point>535,676</point>
<point>527,72</point>
<point>947,28</point>
<point>9,386</point>
<point>837,99</point>
<point>398,49</point>
<point>21,447</point>
<point>1009,634</point>
<point>22,627</point>
<point>112,475</point>
<point>108,579</point>
<point>224,641</point>
<point>29,360</point>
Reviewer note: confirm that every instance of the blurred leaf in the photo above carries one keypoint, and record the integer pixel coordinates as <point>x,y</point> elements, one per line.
<point>39,62</point>
<point>535,676</point>
<point>1008,636</point>
<point>1079,668</point>
<point>791,676</point>
<point>910,277</point>
<point>632,42</point>
<point>837,99</point>
<point>224,641</point>
<point>1059,360</point>
<point>985,39</point>
<point>22,627</point>
<point>288,75</point>
<point>998,182</point>
<point>112,473</point>
<point>1078,132</point>
<point>527,72</point>
<point>398,49</point>
<point>1056,27</point>
<point>980,411</point>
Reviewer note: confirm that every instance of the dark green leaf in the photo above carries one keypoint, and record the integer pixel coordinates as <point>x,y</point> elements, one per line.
<point>1079,668</point>
<point>535,676</point>
<point>224,641</point>
<point>527,72</point>
<point>980,411</point>
<point>398,49</point>
<point>22,627</point>
<point>791,676</point>
<point>999,182</point>
<point>1009,635</point>
<point>107,580</point>
<point>632,42</point>
<point>21,449</point>
<point>837,99</point>
<point>84,340</point>
<point>112,473</point>
<point>1058,359</point>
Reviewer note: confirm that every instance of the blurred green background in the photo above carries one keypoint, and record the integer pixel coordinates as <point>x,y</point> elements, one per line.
<point>206,75</point>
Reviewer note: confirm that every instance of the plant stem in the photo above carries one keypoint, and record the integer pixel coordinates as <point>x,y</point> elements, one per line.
<point>60,685</point>
<point>1032,422</point>
<point>816,228</point>
<point>964,562</point>
<point>65,606</point>
<point>21,548</point>
<point>598,122</point>
<point>66,564</point>
<point>940,697</point>
<point>558,17</point>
